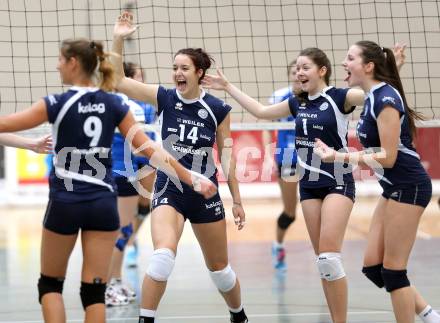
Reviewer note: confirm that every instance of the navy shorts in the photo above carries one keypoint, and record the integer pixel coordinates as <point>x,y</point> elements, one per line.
<point>68,218</point>
<point>193,207</point>
<point>286,171</point>
<point>125,186</point>
<point>416,194</point>
<point>306,193</point>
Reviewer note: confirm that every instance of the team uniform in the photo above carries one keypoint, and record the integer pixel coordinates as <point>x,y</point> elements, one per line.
<point>322,116</point>
<point>126,183</point>
<point>188,131</point>
<point>285,156</point>
<point>82,190</point>
<point>124,171</point>
<point>407,181</point>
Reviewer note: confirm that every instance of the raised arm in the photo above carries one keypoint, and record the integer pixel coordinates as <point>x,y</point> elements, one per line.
<point>228,162</point>
<point>132,88</point>
<point>219,82</point>
<point>399,54</point>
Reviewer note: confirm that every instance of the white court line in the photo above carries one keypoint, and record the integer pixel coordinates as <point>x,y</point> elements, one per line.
<point>221,316</point>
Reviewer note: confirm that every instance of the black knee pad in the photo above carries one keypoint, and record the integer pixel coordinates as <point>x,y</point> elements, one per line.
<point>394,279</point>
<point>284,221</point>
<point>48,284</point>
<point>143,211</point>
<point>374,273</point>
<point>92,293</point>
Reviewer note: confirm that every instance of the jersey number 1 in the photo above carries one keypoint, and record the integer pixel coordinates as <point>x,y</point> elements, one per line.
<point>305,127</point>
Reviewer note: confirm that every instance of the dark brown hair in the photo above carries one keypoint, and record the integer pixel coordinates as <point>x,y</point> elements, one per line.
<point>320,59</point>
<point>385,70</point>
<point>199,57</point>
<point>90,54</point>
<point>130,69</point>
<point>289,67</point>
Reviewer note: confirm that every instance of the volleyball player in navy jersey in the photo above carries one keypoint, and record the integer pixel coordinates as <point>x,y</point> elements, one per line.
<point>118,292</point>
<point>191,122</point>
<point>42,145</point>
<point>134,71</point>
<point>326,191</point>
<point>82,191</point>
<point>285,158</point>
<point>386,129</point>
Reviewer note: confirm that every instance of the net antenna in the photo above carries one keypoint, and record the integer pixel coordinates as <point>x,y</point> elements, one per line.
<point>253,42</point>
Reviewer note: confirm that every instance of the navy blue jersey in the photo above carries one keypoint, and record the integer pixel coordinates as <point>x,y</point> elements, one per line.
<point>407,168</point>
<point>285,138</point>
<point>150,118</point>
<point>321,116</point>
<point>188,130</point>
<point>83,123</point>
<point>144,113</point>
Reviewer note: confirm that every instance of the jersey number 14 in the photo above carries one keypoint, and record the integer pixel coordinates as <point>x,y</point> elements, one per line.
<point>192,135</point>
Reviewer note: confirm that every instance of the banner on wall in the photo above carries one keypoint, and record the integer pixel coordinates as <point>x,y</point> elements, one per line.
<point>253,166</point>
<point>32,168</point>
<point>248,149</point>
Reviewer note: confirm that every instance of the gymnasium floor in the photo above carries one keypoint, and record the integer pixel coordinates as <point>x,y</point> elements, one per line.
<point>191,297</point>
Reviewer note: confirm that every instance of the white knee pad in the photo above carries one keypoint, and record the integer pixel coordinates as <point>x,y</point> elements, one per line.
<point>161,264</point>
<point>224,279</point>
<point>330,266</point>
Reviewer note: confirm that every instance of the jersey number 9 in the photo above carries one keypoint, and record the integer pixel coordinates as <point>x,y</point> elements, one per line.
<point>93,129</point>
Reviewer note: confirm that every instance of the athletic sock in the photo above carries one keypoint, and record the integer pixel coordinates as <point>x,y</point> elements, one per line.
<point>146,316</point>
<point>238,315</point>
<point>428,315</point>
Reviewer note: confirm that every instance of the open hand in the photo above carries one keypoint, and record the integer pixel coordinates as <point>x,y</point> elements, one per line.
<point>215,82</point>
<point>399,54</point>
<point>43,145</point>
<point>124,25</point>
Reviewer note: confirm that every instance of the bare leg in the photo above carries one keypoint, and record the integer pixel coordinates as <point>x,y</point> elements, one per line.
<point>97,250</point>
<point>166,230</point>
<point>326,223</point>
<point>127,208</point>
<point>375,248</point>
<point>335,213</point>
<point>400,228</point>
<point>55,252</point>
<point>288,195</point>
<point>213,241</point>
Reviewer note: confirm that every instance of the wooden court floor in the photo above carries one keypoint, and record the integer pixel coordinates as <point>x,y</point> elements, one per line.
<point>268,296</point>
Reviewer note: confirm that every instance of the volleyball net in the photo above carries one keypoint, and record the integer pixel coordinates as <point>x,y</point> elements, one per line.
<point>253,42</point>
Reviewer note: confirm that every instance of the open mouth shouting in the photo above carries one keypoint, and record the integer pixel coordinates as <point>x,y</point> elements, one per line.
<point>304,83</point>
<point>347,78</point>
<point>181,84</point>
